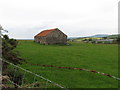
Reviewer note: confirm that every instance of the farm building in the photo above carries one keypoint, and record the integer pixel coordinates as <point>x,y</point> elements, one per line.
<point>51,36</point>
<point>104,41</point>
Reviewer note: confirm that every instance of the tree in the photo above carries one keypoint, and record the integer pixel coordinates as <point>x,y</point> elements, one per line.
<point>8,45</point>
<point>8,53</point>
<point>89,39</point>
<point>104,37</point>
<point>118,39</point>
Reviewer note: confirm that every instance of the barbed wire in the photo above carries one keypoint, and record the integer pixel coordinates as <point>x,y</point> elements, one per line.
<point>14,83</point>
<point>74,68</point>
<point>33,74</point>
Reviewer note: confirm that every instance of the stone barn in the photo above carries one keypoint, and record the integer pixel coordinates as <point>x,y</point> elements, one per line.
<point>51,36</point>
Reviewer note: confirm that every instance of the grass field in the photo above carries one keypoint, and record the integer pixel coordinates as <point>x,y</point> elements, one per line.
<point>99,57</point>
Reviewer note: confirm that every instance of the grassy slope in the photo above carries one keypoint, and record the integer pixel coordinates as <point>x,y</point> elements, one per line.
<point>102,58</point>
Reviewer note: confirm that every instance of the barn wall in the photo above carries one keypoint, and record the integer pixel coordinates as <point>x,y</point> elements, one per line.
<point>41,40</point>
<point>56,37</point>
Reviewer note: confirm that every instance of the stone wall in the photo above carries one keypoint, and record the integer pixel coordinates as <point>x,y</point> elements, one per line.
<point>56,37</point>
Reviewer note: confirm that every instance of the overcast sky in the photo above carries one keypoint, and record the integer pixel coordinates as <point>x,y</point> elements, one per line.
<point>26,18</point>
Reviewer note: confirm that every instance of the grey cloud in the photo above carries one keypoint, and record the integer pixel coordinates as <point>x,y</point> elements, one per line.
<point>25,18</point>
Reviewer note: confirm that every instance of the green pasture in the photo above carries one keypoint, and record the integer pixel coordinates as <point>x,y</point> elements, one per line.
<point>99,57</point>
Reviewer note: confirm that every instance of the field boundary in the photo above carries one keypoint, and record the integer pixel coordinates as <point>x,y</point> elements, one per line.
<point>74,68</point>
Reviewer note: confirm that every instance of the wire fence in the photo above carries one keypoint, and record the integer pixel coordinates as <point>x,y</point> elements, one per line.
<point>22,78</point>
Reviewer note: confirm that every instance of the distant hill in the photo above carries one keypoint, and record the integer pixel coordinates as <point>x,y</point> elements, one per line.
<point>73,37</point>
<point>114,36</point>
<point>99,35</point>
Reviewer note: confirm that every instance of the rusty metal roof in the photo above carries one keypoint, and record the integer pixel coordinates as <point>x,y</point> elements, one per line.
<point>45,32</point>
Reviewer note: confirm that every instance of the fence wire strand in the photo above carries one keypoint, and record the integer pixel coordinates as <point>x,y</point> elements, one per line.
<point>34,78</point>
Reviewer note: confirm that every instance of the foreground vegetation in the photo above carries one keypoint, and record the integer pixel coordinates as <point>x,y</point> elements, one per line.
<point>103,58</point>
<point>7,53</point>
